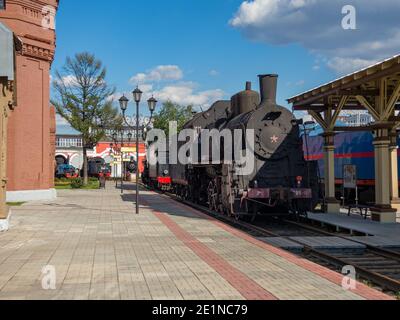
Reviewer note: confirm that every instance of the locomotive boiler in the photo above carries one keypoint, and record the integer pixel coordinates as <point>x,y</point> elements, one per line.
<point>281,180</point>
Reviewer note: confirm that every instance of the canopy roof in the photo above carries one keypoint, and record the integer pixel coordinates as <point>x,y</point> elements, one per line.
<point>365,83</point>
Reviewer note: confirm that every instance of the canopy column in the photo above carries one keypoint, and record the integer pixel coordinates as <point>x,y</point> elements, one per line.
<point>394,185</point>
<point>332,204</point>
<point>375,89</point>
<point>383,211</point>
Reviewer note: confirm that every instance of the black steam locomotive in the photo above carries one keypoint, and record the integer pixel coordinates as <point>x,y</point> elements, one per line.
<point>281,182</point>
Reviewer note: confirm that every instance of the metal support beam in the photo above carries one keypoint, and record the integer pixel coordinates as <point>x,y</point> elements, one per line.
<point>342,103</point>
<point>393,100</point>
<point>319,119</point>
<point>369,107</point>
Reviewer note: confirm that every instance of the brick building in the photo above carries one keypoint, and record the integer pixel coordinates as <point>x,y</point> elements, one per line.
<point>31,130</point>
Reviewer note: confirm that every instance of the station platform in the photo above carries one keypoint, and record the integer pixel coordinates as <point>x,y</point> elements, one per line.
<point>100,249</point>
<point>382,234</point>
<point>297,244</point>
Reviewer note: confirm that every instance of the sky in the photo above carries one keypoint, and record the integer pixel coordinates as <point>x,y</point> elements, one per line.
<point>200,51</point>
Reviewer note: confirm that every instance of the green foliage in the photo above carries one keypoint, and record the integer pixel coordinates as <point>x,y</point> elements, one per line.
<point>92,185</point>
<point>61,180</point>
<point>15,204</point>
<point>172,112</point>
<point>82,98</point>
<point>76,183</point>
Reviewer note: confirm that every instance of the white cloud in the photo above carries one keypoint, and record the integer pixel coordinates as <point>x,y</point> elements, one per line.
<point>152,83</point>
<point>60,121</point>
<point>213,73</point>
<point>347,65</point>
<point>68,81</point>
<point>159,73</point>
<point>316,25</point>
<point>186,94</point>
<point>316,67</point>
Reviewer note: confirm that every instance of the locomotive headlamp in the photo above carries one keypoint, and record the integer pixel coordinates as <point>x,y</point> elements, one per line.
<point>166,172</point>
<point>123,103</point>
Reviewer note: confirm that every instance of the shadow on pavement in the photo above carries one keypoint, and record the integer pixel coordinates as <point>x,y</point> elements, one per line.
<point>157,202</point>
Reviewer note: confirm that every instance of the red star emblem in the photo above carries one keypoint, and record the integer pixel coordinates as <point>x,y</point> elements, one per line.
<point>274,139</point>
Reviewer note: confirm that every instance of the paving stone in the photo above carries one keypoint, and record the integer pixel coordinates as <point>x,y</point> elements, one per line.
<point>100,250</point>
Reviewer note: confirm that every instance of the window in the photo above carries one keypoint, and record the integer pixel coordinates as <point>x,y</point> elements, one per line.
<point>2,4</point>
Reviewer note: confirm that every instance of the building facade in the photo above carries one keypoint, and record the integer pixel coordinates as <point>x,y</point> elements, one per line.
<point>31,130</point>
<point>9,45</point>
<point>69,150</point>
<point>356,119</point>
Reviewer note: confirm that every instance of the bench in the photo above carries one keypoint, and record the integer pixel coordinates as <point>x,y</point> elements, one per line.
<point>362,208</point>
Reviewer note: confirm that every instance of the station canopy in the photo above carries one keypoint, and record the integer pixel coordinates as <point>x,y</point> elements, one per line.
<point>375,89</point>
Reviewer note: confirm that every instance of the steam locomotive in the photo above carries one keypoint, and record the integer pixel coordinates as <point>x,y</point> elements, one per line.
<point>281,182</point>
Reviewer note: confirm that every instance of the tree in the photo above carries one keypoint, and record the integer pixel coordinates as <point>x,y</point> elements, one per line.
<point>82,98</point>
<point>172,112</point>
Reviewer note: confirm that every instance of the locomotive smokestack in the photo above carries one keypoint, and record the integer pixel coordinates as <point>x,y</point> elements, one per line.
<point>248,85</point>
<point>268,87</point>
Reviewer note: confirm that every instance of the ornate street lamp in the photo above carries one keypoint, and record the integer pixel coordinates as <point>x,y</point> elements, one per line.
<point>137,95</point>
<point>123,103</point>
<point>152,103</point>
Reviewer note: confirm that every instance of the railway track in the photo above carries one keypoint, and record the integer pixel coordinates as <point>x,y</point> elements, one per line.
<point>378,266</point>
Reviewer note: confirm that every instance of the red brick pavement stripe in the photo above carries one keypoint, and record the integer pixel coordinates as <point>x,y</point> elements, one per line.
<point>334,277</point>
<point>247,287</point>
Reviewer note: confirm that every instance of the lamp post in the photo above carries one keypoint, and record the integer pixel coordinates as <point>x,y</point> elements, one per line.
<point>115,140</point>
<point>152,103</point>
